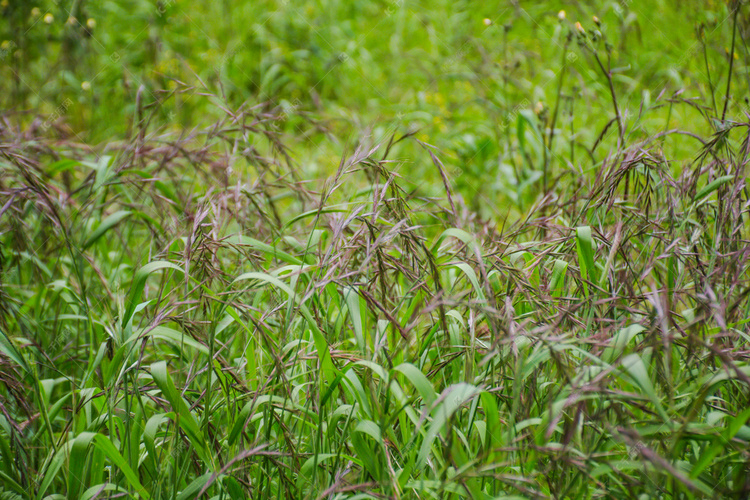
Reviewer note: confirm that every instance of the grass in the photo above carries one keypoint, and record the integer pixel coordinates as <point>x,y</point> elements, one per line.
<point>540,294</point>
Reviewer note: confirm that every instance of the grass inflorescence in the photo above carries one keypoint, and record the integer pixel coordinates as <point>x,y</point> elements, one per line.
<point>191,314</point>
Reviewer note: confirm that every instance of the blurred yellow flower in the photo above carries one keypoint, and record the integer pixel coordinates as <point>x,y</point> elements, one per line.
<point>561,15</point>
<point>49,18</point>
<point>85,85</point>
<point>580,29</point>
<point>91,23</point>
<point>487,21</point>
<point>35,12</point>
<point>596,20</point>
<point>71,21</point>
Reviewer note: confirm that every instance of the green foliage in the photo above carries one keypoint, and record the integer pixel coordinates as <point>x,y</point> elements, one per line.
<point>526,279</point>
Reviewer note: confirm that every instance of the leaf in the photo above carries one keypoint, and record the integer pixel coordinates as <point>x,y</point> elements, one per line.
<point>720,442</point>
<point>619,341</point>
<point>355,311</point>
<point>105,445</point>
<point>585,247</point>
<point>185,418</point>
<point>557,281</point>
<point>306,471</point>
<point>52,469</point>
<point>712,186</point>
<point>78,455</point>
<point>103,171</point>
<point>419,381</point>
<point>139,282</point>
<point>320,341</point>
<point>270,250</point>
<point>149,434</point>
<point>7,348</point>
<point>635,367</point>
<point>469,272</point>
<point>195,487</point>
<point>450,400</point>
<point>172,336</point>
<point>461,235</point>
<point>105,226</point>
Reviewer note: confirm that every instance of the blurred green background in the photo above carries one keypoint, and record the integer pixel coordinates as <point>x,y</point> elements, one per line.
<point>479,80</point>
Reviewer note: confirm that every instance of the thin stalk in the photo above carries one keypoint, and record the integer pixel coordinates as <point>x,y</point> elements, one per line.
<point>731,60</point>
<point>708,72</point>
<point>618,116</point>
<point>560,81</point>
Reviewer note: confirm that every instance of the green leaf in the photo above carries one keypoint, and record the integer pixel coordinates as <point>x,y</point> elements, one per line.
<point>195,487</point>
<point>585,247</point>
<point>355,311</point>
<point>557,281</point>
<point>712,186</point>
<point>139,282</point>
<point>720,442</point>
<point>320,341</point>
<point>419,381</point>
<point>185,418</point>
<point>170,335</point>
<point>7,348</point>
<point>105,226</point>
<point>450,400</point>
<point>634,366</point>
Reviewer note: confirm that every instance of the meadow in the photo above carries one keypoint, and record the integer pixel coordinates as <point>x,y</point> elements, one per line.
<point>327,249</point>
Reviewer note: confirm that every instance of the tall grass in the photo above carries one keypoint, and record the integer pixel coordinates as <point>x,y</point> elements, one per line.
<point>190,314</point>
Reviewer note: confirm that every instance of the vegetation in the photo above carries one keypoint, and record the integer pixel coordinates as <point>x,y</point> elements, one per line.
<point>333,250</point>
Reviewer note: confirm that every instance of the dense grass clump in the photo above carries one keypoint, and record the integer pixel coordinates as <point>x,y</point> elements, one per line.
<point>508,290</point>
<point>171,329</point>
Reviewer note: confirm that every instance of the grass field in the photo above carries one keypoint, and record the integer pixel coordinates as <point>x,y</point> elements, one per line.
<point>374,249</point>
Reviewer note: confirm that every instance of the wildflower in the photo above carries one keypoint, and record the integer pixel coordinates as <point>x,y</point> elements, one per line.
<point>35,12</point>
<point>6,45</point>
<point>487,21</point>
<point>596,21</point>
<point>580,29</point>
<point>71,21</point>
<point>91,23</point>
<point>49,18</point>
<point>539,108</point>
<point>85,85</point>
<point>561,15</point>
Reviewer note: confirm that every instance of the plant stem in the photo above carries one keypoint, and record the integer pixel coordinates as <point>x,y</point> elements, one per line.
<point>731,60</point>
